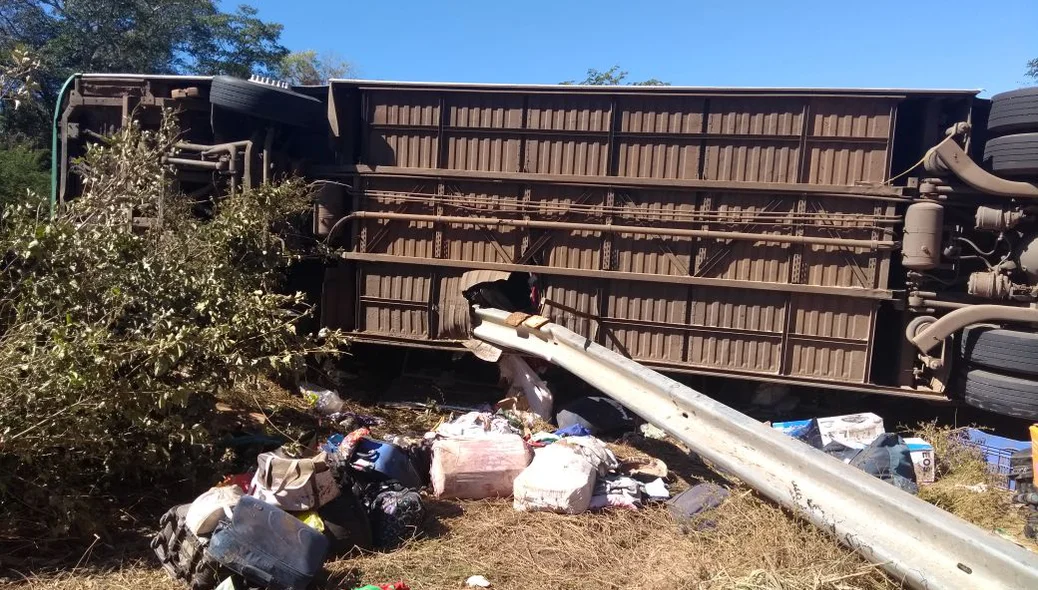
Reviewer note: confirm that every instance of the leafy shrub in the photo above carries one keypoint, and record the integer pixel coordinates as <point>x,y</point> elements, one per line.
<point>23,171</point>
<point>115,339</point>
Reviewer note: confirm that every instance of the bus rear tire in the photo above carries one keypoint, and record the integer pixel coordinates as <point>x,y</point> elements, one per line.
<point>1002,394</point>
<point>999,349</point>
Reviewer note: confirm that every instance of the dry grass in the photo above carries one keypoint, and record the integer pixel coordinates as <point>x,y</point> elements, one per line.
<point>133,576</point>
<point>745,544</point>
<point>752,545</point>
<point>960,468</point>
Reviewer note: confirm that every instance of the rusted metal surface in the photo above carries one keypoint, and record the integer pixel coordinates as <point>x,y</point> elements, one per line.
<point>645,215</point>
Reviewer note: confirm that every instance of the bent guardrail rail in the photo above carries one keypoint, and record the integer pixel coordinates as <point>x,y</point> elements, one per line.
<point>916,542</point>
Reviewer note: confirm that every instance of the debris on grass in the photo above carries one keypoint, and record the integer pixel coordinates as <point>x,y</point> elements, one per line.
<point>753,545</point>
<point>965,487</point>
<point>746,543</point>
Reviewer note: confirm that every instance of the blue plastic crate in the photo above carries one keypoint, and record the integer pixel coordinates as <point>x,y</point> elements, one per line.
<point>997,450</point>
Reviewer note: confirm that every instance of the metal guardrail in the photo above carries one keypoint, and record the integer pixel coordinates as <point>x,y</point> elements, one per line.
<point>916,542</point>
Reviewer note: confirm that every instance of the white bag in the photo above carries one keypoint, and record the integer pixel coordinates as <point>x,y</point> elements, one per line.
<point>559,479</point>
<point>477,467</point>
<point>296,485</point>
<point>522,377</point>
<point>205,512</point>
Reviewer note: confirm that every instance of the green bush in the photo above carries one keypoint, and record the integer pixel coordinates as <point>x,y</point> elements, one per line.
<point>23,171</point>
<point>115,339</point>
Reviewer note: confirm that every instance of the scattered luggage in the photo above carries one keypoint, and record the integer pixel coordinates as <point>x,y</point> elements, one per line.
<point>346,524</point>
<point>269,547</point>
<point>617,491</point>
<point>599,415</point>
<point>559,479</point>
<point>478,467</point>
<point>294,484</point>
<point>208,509</point>
<point>387,461</point>
<point>888,458</point>
<point>397,515</point>
<point>696,500</point>
<point>849,430</point>
<point>182,553</point>
<point>476,424</point>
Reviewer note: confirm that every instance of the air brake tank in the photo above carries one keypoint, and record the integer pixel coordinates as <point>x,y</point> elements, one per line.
<point>921,247</point>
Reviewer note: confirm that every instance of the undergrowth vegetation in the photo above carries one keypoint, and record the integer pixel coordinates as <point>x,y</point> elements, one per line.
<point>116,337</point>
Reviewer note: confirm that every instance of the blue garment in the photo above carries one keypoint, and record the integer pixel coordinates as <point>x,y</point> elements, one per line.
<point>333,443</point>
<point>573,430</point>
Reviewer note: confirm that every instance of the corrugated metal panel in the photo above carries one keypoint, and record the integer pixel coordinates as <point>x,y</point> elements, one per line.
<point>406,238</point>
<point>849,159</point>
<point>485,111</point>
<point>564,112</point>
<point>576,249</point>
<point>829,337</point>
<point>648,322</point>
<point>573,154</point>
<point>477,243</point>
<point>566,156</point>
<point>739,330</point>
<point>394,301</point>
<point>746,137</point>
<point>415,149</point>
<point>574,294</point>
<point>744,260</point>
<point>453,308</point>
<point>494,154</point>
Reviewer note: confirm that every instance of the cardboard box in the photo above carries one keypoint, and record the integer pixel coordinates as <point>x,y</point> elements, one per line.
<point>859,428</point>
<point>852,428</point>
<point>922,459</point>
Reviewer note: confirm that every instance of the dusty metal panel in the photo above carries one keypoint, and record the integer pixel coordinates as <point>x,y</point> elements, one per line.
<point>828,338</point>
<point>737,330</point>
<point>648,322</point>
<point>578,249</point>
<point>394,301</point>
<point>578,303</point>
<point>390,141</point>
<point>788,138</point>
<point>453,308</point>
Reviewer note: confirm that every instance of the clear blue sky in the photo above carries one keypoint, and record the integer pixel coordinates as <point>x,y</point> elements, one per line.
<point>812,43</point>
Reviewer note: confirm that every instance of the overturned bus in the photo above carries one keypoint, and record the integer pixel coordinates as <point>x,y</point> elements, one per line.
<point>878,240</point>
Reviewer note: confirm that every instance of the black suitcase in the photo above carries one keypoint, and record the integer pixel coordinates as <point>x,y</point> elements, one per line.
<point>269,547</point>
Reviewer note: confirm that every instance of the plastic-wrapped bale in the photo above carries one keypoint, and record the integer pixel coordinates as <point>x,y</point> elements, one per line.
<point>560,479</point>
<point>479,466</point>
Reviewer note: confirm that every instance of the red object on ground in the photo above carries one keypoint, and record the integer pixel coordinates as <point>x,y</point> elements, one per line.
<point>242,480</point>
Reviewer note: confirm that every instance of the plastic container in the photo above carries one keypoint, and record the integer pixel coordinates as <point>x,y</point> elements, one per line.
<point>387,460</point>
<point>998,452</point>
<point>558,480</point>
<point>1034,447</point>
<point>325,401</point>
<point>478,466</point>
